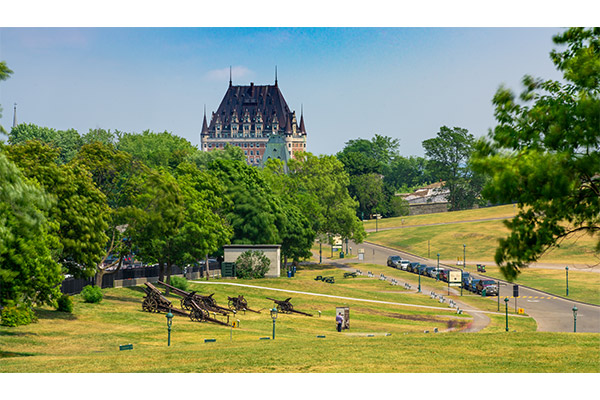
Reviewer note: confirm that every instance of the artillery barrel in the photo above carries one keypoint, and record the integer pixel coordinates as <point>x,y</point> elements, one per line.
<point>174,289</point>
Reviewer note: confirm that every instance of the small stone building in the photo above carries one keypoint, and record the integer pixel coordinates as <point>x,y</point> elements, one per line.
<point>272,251</point>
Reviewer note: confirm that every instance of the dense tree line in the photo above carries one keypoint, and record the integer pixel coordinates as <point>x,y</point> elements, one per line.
<point>71,202</point>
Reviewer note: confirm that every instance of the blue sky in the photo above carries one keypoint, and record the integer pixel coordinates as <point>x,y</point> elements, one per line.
<point>352,82</point>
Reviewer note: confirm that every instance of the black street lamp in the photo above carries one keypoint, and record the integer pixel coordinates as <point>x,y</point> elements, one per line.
<point>274,316</point>
<point>437,275</point>
<point>567,269</point>
<point>169,323</point>
<point>506,304</point>
<point>464,256</point>
<point>574,318</point>
<point>419,270</point>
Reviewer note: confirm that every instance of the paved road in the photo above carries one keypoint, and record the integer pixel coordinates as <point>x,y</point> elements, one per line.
<point>552,313</point>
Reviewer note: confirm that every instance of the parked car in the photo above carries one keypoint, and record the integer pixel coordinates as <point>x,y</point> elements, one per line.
<point>404,265</point>
<point>473,285</point>
<point>412,267</point>
<point>427,271</point>
<point>434,272</point>
<point>490,287</point>
<point>466,279</point>
<point>444,275</point>
<point>394,261</point>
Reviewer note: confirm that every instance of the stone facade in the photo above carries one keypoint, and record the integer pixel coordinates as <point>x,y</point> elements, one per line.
<point>272,251</point>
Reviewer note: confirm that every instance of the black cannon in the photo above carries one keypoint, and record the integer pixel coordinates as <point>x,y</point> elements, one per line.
<point>239,304</point>
<point>284,306</point>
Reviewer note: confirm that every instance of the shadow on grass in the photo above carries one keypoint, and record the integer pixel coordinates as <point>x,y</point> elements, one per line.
<point>126,298</point>
<point>9,333</point>
<point>7,354</point>
<point>315,267</point>
<point>53,314</point>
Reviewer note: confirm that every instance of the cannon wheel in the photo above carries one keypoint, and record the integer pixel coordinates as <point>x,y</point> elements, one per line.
<point>185,304</point>
<point>198,315</point>
<point>146,305</point>
<point>231,305</point>
<point>150,305</point>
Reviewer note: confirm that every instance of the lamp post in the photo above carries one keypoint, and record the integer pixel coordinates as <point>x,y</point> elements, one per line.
<point>320,252</point>
<point>274,316</point>
<point>169,323</point>
<point>506,304</point>
<point>567,270</point>
<point>437,275</point>
<point>464,256</point>
<point>419,269</point>
<point>574,318</point>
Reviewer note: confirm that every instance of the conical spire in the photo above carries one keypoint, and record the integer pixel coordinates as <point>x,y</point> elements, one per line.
<point>230,76</point>
<point>276,75</point>
<point>302,128</point>
<point>15,117</point>
<point>204,124</point>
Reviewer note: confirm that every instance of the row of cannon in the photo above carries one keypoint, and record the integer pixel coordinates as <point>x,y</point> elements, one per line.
<point>199,308</point>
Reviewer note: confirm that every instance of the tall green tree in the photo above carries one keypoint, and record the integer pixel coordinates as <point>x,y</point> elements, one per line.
<point>80,209</point>
<point>255,214</point>
<point>28,272</point>
<point>544,154</point>
<point>121,179</point>
<point>448,156</point>
<point>321,186</point>
<point>296,232</point>
<point>156,149</point>
<point>408,173</point>
<point>67,142</point>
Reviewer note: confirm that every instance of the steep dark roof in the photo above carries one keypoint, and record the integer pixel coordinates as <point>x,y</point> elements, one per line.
<point>264,98</point>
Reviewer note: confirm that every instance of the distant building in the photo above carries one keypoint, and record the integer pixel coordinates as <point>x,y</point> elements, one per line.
<point>428,199</point>
<point>258,120</point>
<point>434,193</point>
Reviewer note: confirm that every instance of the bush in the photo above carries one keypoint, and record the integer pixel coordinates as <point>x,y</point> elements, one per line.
<point>252,264</point>
<point>179,282</point>
<point>17,315</point>
<point>91,294</point>
<point>65,303</point>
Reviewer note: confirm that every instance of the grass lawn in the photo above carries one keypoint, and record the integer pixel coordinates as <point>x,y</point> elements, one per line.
<point>506,211</point>
<point>481,239</point>
<point>88,340</point>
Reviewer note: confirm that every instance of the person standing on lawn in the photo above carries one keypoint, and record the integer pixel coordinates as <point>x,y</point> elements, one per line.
<point>339,320</point>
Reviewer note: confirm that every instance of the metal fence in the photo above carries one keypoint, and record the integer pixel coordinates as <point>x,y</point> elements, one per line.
<point>72,285</point>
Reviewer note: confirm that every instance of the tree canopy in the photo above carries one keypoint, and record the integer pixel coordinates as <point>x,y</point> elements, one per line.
<point>544,154</point>
<point>28,272</point>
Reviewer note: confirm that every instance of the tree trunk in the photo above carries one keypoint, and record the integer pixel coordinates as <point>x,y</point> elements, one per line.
<point>207,268</point>
<point>161,270</point>
<point>168,275</point>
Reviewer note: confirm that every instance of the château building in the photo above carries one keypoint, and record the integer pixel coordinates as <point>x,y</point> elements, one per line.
<point>258,120</point>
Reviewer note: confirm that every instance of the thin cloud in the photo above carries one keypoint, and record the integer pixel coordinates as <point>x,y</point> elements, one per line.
<point>237,73</point>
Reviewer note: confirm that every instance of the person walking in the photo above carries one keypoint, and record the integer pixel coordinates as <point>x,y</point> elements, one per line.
<point>339,321</point>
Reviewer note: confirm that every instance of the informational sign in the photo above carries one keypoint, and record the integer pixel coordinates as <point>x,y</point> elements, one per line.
<point>454,278</point>
<point>515,290</point>
<point>361,254</point>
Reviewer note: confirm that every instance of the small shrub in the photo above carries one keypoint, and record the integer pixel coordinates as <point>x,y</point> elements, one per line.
<point>17,315</point>
<point>65,303</point>
<point>179,282</point>
<point>91,294</point>
<point>252,264</point>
